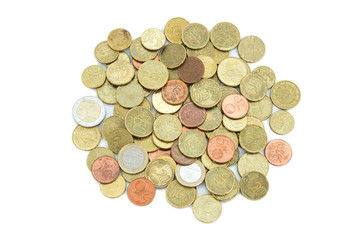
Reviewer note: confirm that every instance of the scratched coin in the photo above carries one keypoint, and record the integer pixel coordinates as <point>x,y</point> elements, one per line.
<point>105,169</point>
<point>175,92</point>
<point>141,191</point>
<point>133,158</point>
<point>180,196</point>
<point>207,209</point>
<point>190,175</point>
<point>88,111</point>
<point>159,172</point>
<point>254,185</point>
<point>278,152</point>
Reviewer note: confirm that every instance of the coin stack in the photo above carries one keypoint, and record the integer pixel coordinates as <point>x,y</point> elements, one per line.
<point>207,105</point>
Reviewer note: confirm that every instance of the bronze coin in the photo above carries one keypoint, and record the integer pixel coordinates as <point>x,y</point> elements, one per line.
<point>141,191</point>
<point>235,106</point>
<point>278,152</point>
<point>191,115</point>
<point>105,169</point>
<point>192,70</point>
<point>221,149</point>
<point>159,152</point>
<point>175,92</point>
<point>178,156</point>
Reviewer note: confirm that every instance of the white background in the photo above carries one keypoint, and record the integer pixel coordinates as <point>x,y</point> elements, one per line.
<point>47,192</point>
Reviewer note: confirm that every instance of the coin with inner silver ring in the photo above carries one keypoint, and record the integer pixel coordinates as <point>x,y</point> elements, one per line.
<point>88,111</point>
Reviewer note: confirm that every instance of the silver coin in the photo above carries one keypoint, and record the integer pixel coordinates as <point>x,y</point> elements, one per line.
<point>133,158</point>
<point>191,175</point>
<point>88,111</point>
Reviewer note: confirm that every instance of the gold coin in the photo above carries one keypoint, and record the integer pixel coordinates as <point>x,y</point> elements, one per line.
<point>254,121</point>
<point>123,56</point>
<point>169,160</point>
<point>282,122</point>
<point>212,120</point>
<point>195,36</point>
<point>120,73</point>
<point>235,158</point>
<point>253,87</point>
<point>139,53</point>
<point>210,51</point>
<point>174,28</point>
<point>107,93</point>
<point>104,54</point>
<point>161,144</point>
<point>209,64</point>
<point>267,74</point>
<point>118,138</point>
<point>253,162</point>
<point>133,158</point>
<point>205,93</point>
<point>167,127</point>
<point>144,90</point>
<point>225,91</point>
<point>223,131</point>
<point>147,143</point>
<point>130,95</point>
<point>254,186</point>
<point>219,180</point>
<point>251,49</point>
<point>253,139</point>
<point>232,70</point>
<point>232,194</point>
<point>285,95</point>
<point>173,55</point>
<point>96,153</point>
<point>153,75</point>
<point>192,143</point>
<point>210,164</point>
<point>173,74</point>
<point>180,196</point>
<point>225,36</point>
<point>110,124</point>
<point>86,138</point>
<point>114,189</point>
<point>206,208</point>
<point>234,125</point>
<point>161,106</point>
<point>131,177</point>
<point>93,76</point>
<point>153,39</point>
<point>261,109</point>
<point>139,121</point>
<point>159,172</point>
<point>119,39</point>
<point>215,78</point>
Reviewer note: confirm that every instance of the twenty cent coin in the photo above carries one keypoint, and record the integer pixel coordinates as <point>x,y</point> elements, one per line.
<point>254,185</point>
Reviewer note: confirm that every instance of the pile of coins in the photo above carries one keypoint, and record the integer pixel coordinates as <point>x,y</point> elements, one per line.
<point>207,105</point>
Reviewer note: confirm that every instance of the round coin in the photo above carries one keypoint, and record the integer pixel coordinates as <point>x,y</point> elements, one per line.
<point>285,95</point>
<point>282,122</point>
<point>191,115</point>
<point>191,175</point>
<point>261,109</point>
<point>254,186</point>
<point>153,39</point>
<point>225,36</point>
<point>210,65</point>
<point>235,106</point>
<point>110,124</point>
<point>161,144</point>
<point>139,121</point>
<point>251,49</point>
<point>221,149</point>
<point>177,155</point>
<point>253,139</point>
<point>254,121</point>
<point>232,194</point>
<point>232,70</point>
<point>192,143</point>
<point>206,208</point>
<point>139,53</point>
<point>119,39</point>
<point>159,172</point>
<point>118,138</point>
<point>153,75</point>
<point>133,158</point>
<point>278,152</point>
<point>209,164</point>
<point>253,87</point>
<point>120,73</point>
<point>105,169</point>
<point>114,189</point>
<point>96,153</point>
<point>253,162</point>
<point>219,180</point>
<point>234,125</point>
<point>195,36</point>
<point>104,54</point>
<point>86,138</point>
<point>212,119</point>
<point>173,55</point>
<point>225,91</point>
<point>267,74</point>
<point>131,177</point>
<point>179,196</point>
<point>192,70</point>
<point>167,127</point>
<point>225,132</point>
<point>210,51</point>
<point>174,28</point>
<point>205,93</point>
<point>175,92</point>
<point>130,95</point>
<point>161,106</point>
<point>88,111</point>
<point>168,159</point>
<point>107,93</point>
<point>141,191</point>
<point>93,76</point>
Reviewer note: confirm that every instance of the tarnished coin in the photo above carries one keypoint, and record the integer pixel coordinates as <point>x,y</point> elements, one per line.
<point>234,125</point>
<point>120,73</point>
<point>153,39</point>
<point>105,169</point>
<point>232,194</point>
<point>147,143</point>
<point>86,138</point>
<point>210,51</point>
<point>223,131</point>
<point>210,65</point>
<point>153,75</point>
<point>110,124</point>
<point>114,189</point>
<point>254,185</point>
<point>191,175</point>
<point>278,152</point>
<point>253,139</point>
<point>212,119</point>
<point>221,149</point>
<point>195,36</point>
<point>192,70</point>
<point>177,155</point>
<point>159,172</point>
<point>93,76</point>
<point>207,209</point>
<point>161,106</point>
<point>205,93</point>
<point>209,164</point>
<point>254,121</point>
<point>133,158</point>
<point>191,115</point>
<point>225,91</point>
<point>232,70</point>
<point>267,74</point>
<point>173,55</point>
<point>192,143</point>
<point>253,162</point>
<point>119,39</point>
<point>173,73</point>
<point>251,49</point>
<point>219,180</point>
<point>88,111</point>
<point>235,106</point>
<point>285,95</point>
<point>139,53</point>
<point>131,177</point>
<point>104,54</point>
<point>141,191</point>
<point>174,28</point>
<point>139,121</point>
<point>130,95</point>
<point>157,153</point>
<point>225,36</point>
<point>282,122</point>
<point>107,93</point>
<point>167,127</point>
<point>175,92</point>
<point>179,196</point>
<point>96,153</point>
<point>118,138</point>
<point>253,87</point>
<point>261,109</point>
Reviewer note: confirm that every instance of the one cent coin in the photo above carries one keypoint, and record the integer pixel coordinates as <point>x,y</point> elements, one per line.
<point>235,106</point>
<point>191,115</point>
<point>178,156</point>
<point>175,92</point>
<point>192,70</point>
<point>105,169</point>
<point>141,191</point>
<point>221,149</point>
<point>278,152</point>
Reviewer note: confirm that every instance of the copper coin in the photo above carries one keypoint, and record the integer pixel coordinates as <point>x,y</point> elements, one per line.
<point>278,152</point>
<point>105,169</point>
<point>153,155</point>
<point>184,129</point>
<point>141,191</point>
<point>221,149</point>
<point>136,63</point>
<point>192,70</point>
<point>191,115</point>
<point>175,92</point>
<point>235,106</point>
<point>178,156</point>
